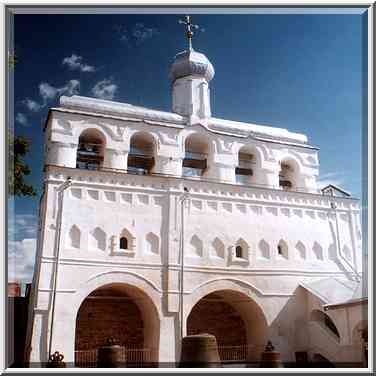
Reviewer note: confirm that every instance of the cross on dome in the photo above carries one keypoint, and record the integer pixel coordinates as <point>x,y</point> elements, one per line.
<point>189,25</point>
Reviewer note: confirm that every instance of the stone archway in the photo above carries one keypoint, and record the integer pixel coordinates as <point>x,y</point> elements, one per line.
<point>236,321</point>
<point>122,312</point>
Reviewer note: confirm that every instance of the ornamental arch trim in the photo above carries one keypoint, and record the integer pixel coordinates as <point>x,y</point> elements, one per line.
<point>118,277</point>
<point>144,133</point>
<point>259,151</point>
<point>106,133</point>
<point>233,284</point>
<point>136,287</point>
<point>291,158</point>
<point>200,131</point>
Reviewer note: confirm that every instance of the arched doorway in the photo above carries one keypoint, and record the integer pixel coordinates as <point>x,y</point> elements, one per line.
<point>124,313</point>
<point>236,321</point>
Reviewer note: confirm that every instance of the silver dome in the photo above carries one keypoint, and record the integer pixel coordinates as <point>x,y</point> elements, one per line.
<point>189,63</point>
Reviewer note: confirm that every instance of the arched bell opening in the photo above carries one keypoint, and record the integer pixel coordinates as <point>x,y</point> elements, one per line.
<point>141,157</point>
<point>195,162</point>
<point>90,151</point>
<point>236,321</point>
<point>244,172</point>
<point>123,313</point>
<point>288,175</point>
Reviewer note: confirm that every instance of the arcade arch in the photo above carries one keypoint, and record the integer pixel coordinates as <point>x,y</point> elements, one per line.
<point>236,321</point>
<point>122,312</point>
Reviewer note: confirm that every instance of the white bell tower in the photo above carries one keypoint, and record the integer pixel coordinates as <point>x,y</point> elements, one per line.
<point>190,74</point>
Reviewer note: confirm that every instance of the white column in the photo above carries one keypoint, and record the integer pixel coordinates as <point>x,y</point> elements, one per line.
<point>168,338</point>
<point>39,351</point>
<point>63,335</point>
<point>221,172</point>
<point>62,154</point>
<point>168,165</point>
<point>221,167</point>
<point>267,177</point>
<point>116,159</point>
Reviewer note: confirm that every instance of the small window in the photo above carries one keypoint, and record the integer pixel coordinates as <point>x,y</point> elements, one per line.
<point>123,243</point>
<point>239,252</point>
<point>280,252</point>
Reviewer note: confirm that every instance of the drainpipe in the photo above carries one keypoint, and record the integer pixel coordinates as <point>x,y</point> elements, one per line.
<point>60,191</point>
<point>185,196</point>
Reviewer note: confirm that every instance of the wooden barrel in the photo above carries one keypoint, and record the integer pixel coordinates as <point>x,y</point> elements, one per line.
<point>270,358</point>
<point>199,350</point>
<point>111,355</point>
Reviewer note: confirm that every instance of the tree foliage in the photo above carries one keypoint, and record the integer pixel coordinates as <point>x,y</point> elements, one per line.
<point>18,148</point>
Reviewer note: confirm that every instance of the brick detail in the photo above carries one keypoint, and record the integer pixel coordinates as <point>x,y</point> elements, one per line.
<point>211,315</point>
<point>102,317</point>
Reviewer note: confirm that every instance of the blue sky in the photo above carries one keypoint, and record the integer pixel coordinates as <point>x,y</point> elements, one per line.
<point>300,72</point>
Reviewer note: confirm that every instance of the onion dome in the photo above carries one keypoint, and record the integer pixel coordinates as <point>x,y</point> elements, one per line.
<point>191,63</point>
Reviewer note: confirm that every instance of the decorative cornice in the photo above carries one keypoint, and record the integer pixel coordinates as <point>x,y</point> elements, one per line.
<point>229,271</point>
<point>200,189</point>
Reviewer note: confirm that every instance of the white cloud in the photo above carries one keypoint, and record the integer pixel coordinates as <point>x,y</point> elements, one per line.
<point>49,92</point>
<point>22,226</point>
<point>22,234</point>
<point>74,62</point>
<point>32,105</point>
<point>21,118</point>
<point>72,87</point>
<point>21,259</point>
<point>139,33</point>
<point>46,91</point>
<point>104,89</point>
<point>332,175</point>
